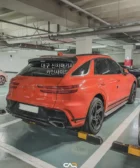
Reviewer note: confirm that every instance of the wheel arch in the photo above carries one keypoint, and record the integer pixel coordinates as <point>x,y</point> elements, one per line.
<point>101,96</point>
<point>134,82</point>
<point>86,124</point>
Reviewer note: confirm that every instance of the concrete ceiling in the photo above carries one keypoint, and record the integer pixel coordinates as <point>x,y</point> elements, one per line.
<point>56,16</point>
<point>113,11</point>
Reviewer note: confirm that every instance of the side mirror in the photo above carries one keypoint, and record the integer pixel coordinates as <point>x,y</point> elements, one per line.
<point>125,71</point>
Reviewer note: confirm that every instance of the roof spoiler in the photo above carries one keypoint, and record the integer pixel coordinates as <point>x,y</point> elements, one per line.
<point>53,58</point>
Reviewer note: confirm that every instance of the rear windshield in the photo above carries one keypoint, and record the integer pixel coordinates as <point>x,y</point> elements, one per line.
<point>47,68</point>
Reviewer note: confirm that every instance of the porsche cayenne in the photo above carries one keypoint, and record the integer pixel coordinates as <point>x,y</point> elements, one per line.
<point>70,92</point>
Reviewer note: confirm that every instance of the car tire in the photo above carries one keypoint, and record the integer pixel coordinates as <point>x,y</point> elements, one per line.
<point>139,130</point>
<point>2,80</point>
<point>132,94</point>
<point>95,116</point>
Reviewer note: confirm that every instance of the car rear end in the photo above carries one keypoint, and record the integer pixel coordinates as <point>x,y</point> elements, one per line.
<point>34,92</point>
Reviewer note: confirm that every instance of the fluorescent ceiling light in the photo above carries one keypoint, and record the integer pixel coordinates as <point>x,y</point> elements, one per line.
<point>99,46</point>
<point>61,49</point>
<point>12,51</point>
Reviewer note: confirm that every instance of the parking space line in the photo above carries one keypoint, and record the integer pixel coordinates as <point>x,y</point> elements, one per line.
<point>102,150</point>
<point>10,123</point>
<point>20,154</point>
<point>24,156</point>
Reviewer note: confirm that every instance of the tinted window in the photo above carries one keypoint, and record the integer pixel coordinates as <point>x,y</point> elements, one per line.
<point>47,68</point>
<point>82,70</point>
<point>101,66</point>
<point>114,67</point>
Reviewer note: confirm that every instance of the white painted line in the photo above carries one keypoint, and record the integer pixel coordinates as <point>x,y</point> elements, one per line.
<point>25,157</point>
<point>22,155</point>
<point>101,151</point>
<point>10,123</point>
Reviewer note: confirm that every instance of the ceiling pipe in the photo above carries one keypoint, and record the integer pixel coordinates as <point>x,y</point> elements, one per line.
<point>85,12</point>
<point>21,25</point>
<point>88,14</point>
<point>44,39</point>
<point>28,46</point>
<point>125,29</point>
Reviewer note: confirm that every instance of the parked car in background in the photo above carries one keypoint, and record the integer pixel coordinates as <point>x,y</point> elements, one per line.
<point>70,92</point>
<point>133,70</point>
<point>3,77</point>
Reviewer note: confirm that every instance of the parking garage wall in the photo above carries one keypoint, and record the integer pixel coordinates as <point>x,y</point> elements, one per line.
<point>118,57</point>
<point>136,60</point>
<point>121,57</point>
<point>12,62</point>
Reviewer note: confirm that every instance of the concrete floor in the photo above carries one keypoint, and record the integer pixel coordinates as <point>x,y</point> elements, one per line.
<point>25,146</point>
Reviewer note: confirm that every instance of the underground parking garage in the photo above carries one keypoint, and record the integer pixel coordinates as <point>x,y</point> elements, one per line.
<point>69,84</point>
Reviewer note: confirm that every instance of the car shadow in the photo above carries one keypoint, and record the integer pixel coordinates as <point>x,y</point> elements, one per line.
<point>38,139</point>
<point>132,161</point>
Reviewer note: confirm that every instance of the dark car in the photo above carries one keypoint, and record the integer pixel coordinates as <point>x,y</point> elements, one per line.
<point>133,70</point>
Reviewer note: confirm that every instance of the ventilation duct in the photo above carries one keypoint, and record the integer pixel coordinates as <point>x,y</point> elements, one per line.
<point>26,45</point>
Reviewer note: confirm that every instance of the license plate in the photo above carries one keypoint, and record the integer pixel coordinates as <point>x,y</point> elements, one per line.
<point>29,108</point>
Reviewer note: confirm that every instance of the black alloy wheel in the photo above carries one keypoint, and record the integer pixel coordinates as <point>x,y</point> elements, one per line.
<point>95,116</point>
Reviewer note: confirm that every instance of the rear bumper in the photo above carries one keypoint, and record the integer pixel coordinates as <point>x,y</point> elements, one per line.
<point>45,116</point>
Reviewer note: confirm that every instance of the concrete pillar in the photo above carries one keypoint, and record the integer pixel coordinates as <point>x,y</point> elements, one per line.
<point>128,55</point>
<point>84,45</point>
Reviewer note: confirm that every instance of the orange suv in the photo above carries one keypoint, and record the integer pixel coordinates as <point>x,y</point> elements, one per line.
<point>70,92</point>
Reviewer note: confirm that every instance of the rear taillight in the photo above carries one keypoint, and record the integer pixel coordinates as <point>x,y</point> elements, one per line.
<point>13,85</point>
<point>59,89</point>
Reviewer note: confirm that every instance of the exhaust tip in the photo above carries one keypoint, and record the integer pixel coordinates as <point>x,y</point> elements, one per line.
<point>57,124</point>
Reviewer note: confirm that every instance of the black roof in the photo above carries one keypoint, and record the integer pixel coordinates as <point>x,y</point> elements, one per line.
<point>54,58</point>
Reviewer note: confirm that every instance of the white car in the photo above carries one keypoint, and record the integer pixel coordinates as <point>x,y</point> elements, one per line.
<point>3,77</point>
